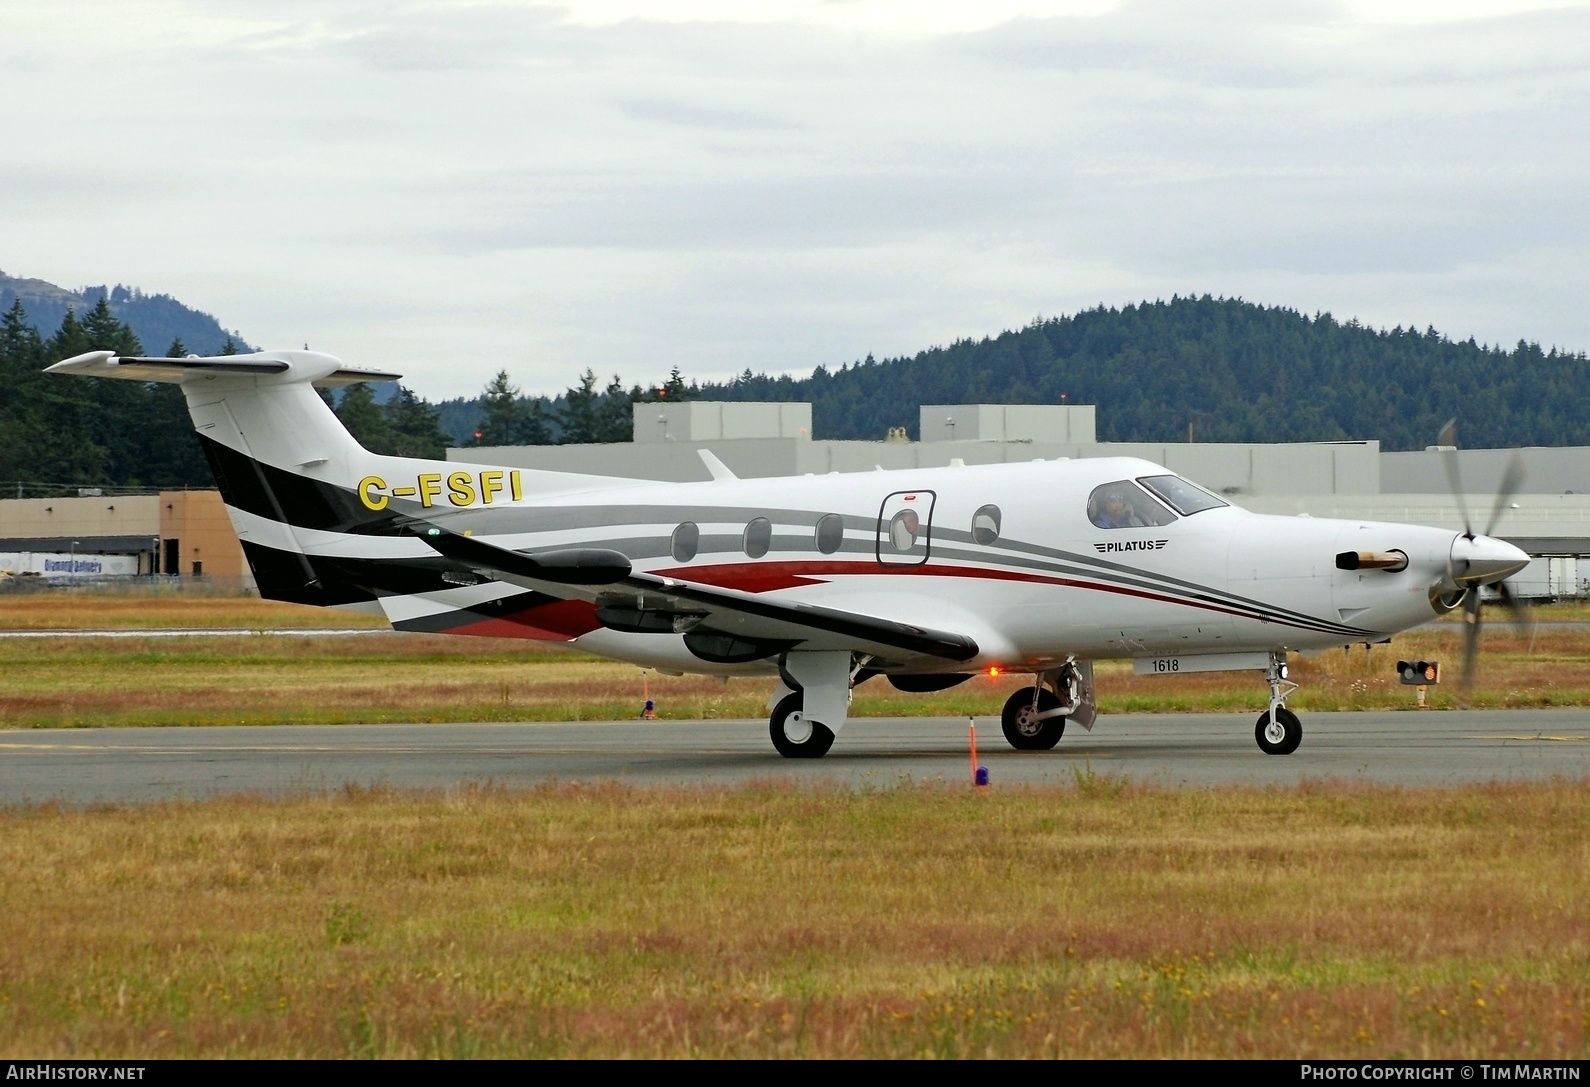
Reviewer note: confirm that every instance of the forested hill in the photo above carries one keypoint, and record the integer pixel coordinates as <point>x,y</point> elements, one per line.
<point>156,319</point>
<point>1236,371</point>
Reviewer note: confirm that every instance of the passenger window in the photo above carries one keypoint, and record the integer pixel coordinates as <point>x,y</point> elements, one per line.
<point>1123,504</point>
<point>1183,497</point>
<point>985,525</point>
<point>830,533</point>
<point>758,537</point>
<point>686,540</point>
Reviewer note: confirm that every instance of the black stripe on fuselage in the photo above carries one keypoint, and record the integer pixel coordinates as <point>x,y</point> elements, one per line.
<point>343,580</point>
<point>255,487</point>
<point>250,485</point>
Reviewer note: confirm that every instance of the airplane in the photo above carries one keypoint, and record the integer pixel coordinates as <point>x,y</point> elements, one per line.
<point>924,576</point>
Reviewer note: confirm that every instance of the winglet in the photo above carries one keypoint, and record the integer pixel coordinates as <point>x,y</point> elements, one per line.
<point>719,470</point>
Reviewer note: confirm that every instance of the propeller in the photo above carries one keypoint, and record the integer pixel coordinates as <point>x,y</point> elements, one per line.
<point>1476,568</point>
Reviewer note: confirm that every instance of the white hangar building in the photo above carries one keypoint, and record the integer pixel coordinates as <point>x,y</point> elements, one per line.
<point>1549,518</point>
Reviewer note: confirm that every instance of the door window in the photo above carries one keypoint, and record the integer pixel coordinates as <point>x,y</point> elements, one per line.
<point>905,523</point>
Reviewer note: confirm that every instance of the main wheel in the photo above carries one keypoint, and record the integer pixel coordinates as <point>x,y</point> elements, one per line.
<point>1281,736</point>
<point>1022,728</point>
<point>795,735</point>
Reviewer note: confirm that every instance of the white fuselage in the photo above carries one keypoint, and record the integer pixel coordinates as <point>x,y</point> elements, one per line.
<point>1051,585</point>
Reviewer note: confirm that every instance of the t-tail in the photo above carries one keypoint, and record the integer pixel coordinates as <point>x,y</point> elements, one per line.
<point>322,520</point>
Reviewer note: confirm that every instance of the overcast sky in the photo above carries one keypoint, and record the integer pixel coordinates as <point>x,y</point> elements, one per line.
<point>454,188</point>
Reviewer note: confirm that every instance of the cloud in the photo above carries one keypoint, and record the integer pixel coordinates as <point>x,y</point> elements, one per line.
<point>454,187</point>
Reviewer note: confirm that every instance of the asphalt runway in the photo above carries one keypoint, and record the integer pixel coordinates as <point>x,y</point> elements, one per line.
<point>84,766</point>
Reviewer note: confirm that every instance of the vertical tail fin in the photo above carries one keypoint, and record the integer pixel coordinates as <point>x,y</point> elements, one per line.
<point>313,509</point>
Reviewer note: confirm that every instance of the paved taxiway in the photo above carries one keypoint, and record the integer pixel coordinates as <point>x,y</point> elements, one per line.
<point>82,766</point>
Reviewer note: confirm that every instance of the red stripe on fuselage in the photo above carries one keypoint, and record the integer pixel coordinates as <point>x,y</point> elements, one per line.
<point>559,621</point>
<point>782,575</point>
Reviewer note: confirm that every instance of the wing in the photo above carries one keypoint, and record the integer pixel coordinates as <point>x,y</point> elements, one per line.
<point>715,617</point>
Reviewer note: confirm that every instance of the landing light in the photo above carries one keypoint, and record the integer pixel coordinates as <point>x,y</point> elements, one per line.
<point>993,673</point>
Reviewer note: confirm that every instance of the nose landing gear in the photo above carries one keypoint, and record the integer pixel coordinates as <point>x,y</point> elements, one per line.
<point>1278,731</point>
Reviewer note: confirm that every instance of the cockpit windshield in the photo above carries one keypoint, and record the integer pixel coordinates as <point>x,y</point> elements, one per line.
<point>1123,504</point>
<point>1181,496</point>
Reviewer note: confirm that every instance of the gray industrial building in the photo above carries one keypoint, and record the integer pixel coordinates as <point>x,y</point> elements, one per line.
<point>1549,517</point>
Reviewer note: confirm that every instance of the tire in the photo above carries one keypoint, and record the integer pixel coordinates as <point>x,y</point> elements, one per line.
<point>793,736</point>
<point>1284,737</point>
<point>1024,733</point>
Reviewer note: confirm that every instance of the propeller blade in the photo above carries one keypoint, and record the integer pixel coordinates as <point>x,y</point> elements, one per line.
<point>1512,479</point>
<point>1471,635</point>
<point>1523,618</point>
<point>1447,439</point>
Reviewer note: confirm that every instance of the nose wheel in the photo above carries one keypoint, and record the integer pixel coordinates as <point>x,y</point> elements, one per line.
<point>1279,733</point>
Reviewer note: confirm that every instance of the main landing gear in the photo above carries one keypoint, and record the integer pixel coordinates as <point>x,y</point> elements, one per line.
<point>795,735</point>
<point>1034,718</point>
<point>1278,731</point>
<point>810,706</point>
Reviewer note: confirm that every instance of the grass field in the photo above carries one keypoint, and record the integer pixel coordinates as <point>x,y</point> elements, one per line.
<point>1095,920</point>
<point>387,677</point>
<point>112,611</point>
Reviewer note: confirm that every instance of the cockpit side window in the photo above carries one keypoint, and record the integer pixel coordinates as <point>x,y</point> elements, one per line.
<point>1123,504</point>
<point>1183,497</point>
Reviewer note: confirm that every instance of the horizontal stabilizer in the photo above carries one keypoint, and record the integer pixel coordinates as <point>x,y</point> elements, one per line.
<point>303,365</point>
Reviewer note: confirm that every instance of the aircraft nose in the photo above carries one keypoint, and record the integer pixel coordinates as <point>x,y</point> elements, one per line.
<point>1484,560</point>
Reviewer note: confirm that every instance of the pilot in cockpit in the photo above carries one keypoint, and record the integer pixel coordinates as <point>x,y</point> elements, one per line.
<point>1114,511</point>
<point>1122,505</point>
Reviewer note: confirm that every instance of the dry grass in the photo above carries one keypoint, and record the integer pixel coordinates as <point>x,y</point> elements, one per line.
<point>106,611</point>
<point>386,677</point>
<point>1102,920</point>
<point>308,680</point>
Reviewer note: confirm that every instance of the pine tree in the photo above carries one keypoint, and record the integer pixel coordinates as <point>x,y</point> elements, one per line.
<point>536,426</point>
<point>229,347</point>
<point>177,350</point>
<point>413,426</point>
<point>579,421</point>
<point>104,333</point>
<point>364,418</point>
<point>615,417</point>
<point>676,389</point>
<point>510,419</point>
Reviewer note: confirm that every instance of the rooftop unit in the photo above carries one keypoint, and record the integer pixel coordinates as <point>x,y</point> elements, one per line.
<point>1059,424</point>
<point>711,421</point>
